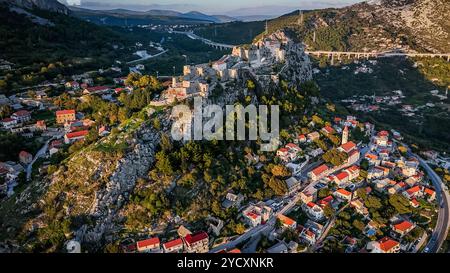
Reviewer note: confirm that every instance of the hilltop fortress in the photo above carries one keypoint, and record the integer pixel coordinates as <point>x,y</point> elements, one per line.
<point>261,62</point>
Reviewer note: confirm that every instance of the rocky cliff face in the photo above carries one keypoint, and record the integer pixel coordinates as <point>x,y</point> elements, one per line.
<point>298,67</point>
<point>428,21</point>
<point>50,5</point>
<point>109,199</point>
<point>375,25</point>
<point>95,183</point>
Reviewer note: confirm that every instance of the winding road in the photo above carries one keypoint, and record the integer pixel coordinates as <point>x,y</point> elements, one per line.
<point>38,155</point>
<point>443,222</point>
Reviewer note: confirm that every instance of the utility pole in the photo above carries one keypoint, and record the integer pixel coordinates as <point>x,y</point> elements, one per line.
<point>300,19</point>
<point>267,28</point>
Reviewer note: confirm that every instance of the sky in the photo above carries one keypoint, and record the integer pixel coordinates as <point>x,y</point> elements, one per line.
<point>214,6</point>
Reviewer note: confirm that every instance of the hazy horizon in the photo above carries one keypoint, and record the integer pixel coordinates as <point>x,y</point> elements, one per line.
<point>236,7</point>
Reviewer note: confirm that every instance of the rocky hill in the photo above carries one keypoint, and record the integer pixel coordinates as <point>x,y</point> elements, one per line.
<point>90,197</point>
<point>49,5</point>
<point>426,20</point>
<point>376,25</point>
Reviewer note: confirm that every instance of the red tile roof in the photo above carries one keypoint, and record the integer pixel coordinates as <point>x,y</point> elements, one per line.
<point>344,192</point>
<point>56,143</point>
<point>326,200</point>
<point>130,248</point>
<point>429,191</point>
<point>353,168</point>
<point>22,113</point>
<point>292,146</point>
<point>234,250</point>
<point>24,154</point>
<point>286,220</point>
<point>347,147</point>
<point>403,226</point>
<point>386,244</point>
<point>328,129</point>
<point>97,88</point>
<point>65,112</point>
<point>173,243</point>
<point>148,242</point>
<point>342,175</point>
<point>8,120</point>
<point>413,190</point>
<point>191,239</point>
<point>252,215</point>
<point>371,156</point>
<point>77,134</point>
<point>320,169</point>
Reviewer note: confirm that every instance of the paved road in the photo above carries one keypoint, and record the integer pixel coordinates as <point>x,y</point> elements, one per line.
<point>148,57</point>
<point>420,243</point>
<point>261,229</point>
<point>256,231</point>
<point>327,229</point>
<point>443,222</point>
<point>39,154</point>
<point>204,40</point>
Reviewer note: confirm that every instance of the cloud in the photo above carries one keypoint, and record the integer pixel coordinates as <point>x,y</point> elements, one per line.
<point>73,2</point>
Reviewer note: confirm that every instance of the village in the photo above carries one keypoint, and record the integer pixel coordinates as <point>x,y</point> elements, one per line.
<point>350,181</point>
<point>317,193</point>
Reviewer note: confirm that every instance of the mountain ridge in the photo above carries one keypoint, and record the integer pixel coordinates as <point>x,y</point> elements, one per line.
<point>375,25</point>
<point>149,16</point>
<point>50,5</point>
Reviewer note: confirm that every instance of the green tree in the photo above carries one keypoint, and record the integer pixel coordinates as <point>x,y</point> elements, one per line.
<point>400,204</point>
<point>358,225</point>
<point>251,85</point>
<point>163,164</point>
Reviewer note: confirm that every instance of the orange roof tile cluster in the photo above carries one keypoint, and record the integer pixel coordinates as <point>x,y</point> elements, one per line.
<point>344,192</point>
<point>286,220</point>
<point>173,243</point>
<point>342,175</point>
<point>347,147</point>
<point>386,244</point>
<point>429,191</point>
<point>65,112</point>
<point>413,190</point>
<point>148,242</point>
<point>320,169</point>
<point>77,134</point>
<point>403,226</point>
<point>191,239</point>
